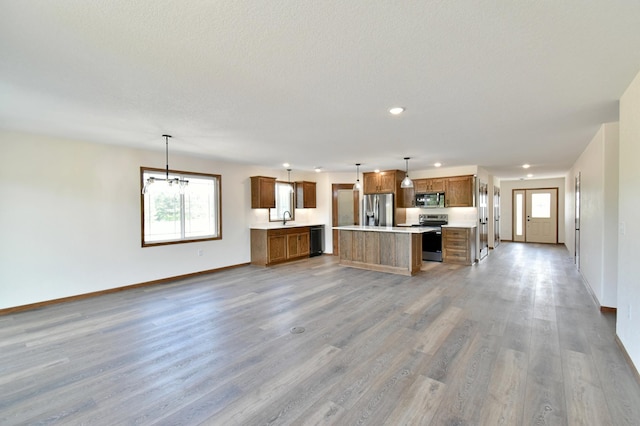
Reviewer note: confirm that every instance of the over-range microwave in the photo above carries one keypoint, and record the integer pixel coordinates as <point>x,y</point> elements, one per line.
<point>431,200</point>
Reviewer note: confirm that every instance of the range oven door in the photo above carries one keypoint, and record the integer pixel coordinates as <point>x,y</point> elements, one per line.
<point>432,246</point>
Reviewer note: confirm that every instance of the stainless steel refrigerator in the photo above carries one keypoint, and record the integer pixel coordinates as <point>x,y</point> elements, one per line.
<point>378,209</point>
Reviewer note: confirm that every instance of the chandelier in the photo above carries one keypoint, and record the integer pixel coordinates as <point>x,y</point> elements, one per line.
<point>180,183</point>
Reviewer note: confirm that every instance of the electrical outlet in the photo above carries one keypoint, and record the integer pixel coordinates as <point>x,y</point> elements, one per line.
<point>200,252</point>
<point>622,227</point>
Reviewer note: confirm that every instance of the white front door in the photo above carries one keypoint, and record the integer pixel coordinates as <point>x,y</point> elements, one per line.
<point>535,215</point>
<point>542,216</point>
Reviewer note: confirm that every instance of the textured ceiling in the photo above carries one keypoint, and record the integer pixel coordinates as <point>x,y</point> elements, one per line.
<point>491,83</point>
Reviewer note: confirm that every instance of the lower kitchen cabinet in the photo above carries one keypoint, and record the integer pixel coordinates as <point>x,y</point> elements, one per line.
<point>271,246</point>
<point>459,245</point>
<point>298,244</point>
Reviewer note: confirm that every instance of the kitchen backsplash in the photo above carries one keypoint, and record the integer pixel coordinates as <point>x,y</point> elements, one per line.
<point>456,214</point>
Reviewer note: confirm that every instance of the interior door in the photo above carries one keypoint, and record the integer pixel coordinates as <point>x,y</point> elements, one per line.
<point>576,253</point>
<point>542,215</point>
<point>496,216</point>
<point>345,209</point>
<point>483,220</point>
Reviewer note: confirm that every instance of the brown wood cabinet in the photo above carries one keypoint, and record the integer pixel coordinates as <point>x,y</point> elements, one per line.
<point>276,247</point>
<point>459,191</point>
<point>263,192</point>
<point>458,245</point>
<point>271,246</point>
<point>407,197</point>
<point>297,244</point>
<point>422,186</point>
<point>381,183</point>
<point>305,195</point>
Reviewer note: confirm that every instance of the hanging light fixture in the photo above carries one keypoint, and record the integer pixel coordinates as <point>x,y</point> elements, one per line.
<point>289,180</point>
<point>182,183</point>
<point>356,186</point>
<point>406,182</point>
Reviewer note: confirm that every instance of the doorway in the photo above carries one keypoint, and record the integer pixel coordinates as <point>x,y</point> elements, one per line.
<point>535,215</point>
<point>576,252</point>
<point>345,209</point>
<point>496,216</point>
<point>483,220</point>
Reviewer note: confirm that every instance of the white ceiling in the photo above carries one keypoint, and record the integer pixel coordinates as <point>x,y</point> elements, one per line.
<point>493,83</point>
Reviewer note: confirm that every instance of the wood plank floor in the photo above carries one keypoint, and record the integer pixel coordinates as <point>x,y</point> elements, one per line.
<point>515,340</point>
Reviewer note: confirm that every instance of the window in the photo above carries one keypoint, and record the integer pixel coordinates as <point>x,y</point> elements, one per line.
<point>519,214</point>
<point>171,217</point>
<point>284,202</point>
<point>541,206</point>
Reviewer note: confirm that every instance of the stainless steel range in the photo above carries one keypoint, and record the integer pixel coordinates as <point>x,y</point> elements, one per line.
<point>432,240</point>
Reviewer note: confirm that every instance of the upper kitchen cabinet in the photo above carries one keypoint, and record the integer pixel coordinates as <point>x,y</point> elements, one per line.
<point>420,186</point>
<point>305,195</point>
<point>459,191</point>
<point>263,192</point>
<point>432,185</point>
<point>383,182</point>
<point>407,197</point>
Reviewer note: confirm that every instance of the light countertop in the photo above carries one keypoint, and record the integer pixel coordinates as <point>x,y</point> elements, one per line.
<point>279,225</point>
<point>395,229</point>
<point>460,225</point>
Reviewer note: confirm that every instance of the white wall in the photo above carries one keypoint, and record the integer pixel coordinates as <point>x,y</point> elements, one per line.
<point>506,203</point>
<point>70,219</point>
<point>70,222</point>
<point>629,206</point>
<point>598,168</point>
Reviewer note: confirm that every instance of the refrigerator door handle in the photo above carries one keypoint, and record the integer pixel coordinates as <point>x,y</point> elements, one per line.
<point>376,213</point>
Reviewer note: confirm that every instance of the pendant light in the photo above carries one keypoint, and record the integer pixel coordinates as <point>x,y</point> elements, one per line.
<point>289,180</point>
<point>182,183</point>
<point>356,186</point>
<point>406,182</point>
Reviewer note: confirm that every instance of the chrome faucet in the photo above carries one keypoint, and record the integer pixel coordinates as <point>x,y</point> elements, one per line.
<point>284,216</point>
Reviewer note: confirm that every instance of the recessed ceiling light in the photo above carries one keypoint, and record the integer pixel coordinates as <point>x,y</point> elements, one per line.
<point>530,175</point>
<point>377,170</point>
<point>396,110</point>
<point>318,169</point>
<point>526,166</point>
<point>437,164</point>
<point>286,164</point>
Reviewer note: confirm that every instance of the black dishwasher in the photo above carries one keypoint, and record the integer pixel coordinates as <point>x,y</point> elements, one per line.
<point>316,240</point>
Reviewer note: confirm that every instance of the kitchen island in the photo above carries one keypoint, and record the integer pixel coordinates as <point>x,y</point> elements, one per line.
<point>397,250</point>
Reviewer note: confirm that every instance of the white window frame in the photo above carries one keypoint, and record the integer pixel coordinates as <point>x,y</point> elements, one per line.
<point>285,201</point>
<point>216,208</point>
